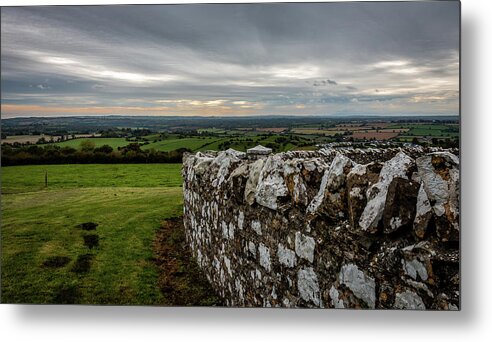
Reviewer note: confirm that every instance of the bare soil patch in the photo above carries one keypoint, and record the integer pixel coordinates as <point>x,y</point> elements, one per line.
<point>83,263</point>
<point>91,240</point>
<point>56,261</point>
<point>67,294</point>
<point>88,226</point>
<point>181,281</point>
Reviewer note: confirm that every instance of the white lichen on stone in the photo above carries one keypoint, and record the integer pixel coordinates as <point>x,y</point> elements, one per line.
<point>414,268</point>
<point>358,169</point>
<point>239,289</point>
<point>395,223</point>
<point>227,262</point>
<point>252,182</point>
<point>442,192</point>
<point>224,161</point>
<point>256,226</point>
<point>423,206</point>
<point>452,307</point>
<point>299,193</point>
<point>331,179</point>
<point>396,167</point>
<point>307,283</point>
<point>240,220</point>
<point>286,256</point>
<point>225,229</point>
<point>202,164</point>
<point>409,300</point>
<point>286,302</point>
<point>361,285</point>
<point>309,165</point>
<point>271,183</point>
<point>231,230</point>
<point>356,192</point>
<point>335,300</point>
<point>305,246</point>
<point>252,247</point>
<point>290,167</point>
<point>264,257</point>
<point>420,286</point>
<point>274,293</point>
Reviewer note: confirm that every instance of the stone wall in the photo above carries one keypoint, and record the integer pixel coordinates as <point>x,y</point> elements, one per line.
<point>331,228</point>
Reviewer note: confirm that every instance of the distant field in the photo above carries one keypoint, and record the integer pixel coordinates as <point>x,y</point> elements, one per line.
<point>358,126</point>
<point>170,144</point>
<point>429,130</point>
<point>193,144</point>
<point>45,258</point>
<point>374,135</point>
<point>315,131</point>
<point>113,142</point>
<point>212,130</point>
<point>272,129</point>
<point>32,139</point>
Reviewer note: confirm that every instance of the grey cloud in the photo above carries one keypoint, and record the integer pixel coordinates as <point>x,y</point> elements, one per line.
<point>261,53</point>
<point>324,82</point>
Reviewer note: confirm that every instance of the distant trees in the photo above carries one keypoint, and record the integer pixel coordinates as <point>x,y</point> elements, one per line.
<point>103,149</point>
<point>87,146</point>
<point>52,154</point>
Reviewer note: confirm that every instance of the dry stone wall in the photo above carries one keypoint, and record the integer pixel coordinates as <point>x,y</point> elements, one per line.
<point>343,228</point>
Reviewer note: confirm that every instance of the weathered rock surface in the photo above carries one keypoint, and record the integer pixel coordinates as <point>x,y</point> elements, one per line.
<point>439,172</point>
<point>373,228</point>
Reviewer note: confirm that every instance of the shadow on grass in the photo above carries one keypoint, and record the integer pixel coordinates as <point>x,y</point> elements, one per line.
<point>181,281</point>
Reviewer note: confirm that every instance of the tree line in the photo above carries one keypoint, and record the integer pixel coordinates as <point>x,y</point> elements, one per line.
<point>87,154</point>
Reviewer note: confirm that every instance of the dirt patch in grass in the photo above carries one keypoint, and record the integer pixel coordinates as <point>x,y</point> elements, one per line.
<point>83,263</point>
<point>87,226</point>
<point>181,281</point>
<point>91,240</point>
<point>56,261</point>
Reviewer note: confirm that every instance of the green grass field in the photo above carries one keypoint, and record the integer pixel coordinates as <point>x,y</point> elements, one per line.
<point>31,177</point>
<point>113,142</point>
<point>194,144</point>
<point>45,256</point>
<point>428,130</point>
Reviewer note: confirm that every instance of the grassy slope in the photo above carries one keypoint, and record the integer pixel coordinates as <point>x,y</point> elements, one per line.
<point>127,201</point>
<point>193,144</point>
<point>113,142</point>
<point>31,177</point>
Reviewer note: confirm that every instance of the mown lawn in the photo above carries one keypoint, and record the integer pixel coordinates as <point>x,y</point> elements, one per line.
<point>47,258</point>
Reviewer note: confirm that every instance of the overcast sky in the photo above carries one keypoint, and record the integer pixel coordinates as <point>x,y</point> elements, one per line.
<point>262,59</point>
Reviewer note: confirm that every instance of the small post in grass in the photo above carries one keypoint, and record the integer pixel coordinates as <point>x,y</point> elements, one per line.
<point>45,178</point>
